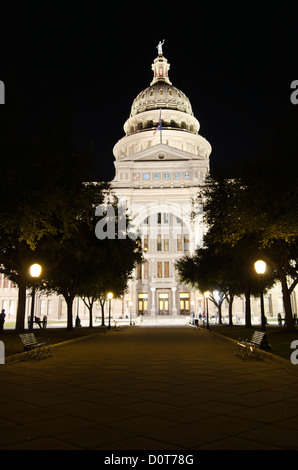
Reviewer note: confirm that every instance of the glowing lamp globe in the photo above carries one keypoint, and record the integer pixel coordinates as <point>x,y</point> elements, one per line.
<point>35,270</point>
<point>260,267</point>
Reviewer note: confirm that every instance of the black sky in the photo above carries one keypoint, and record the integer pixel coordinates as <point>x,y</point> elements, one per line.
<point>235,62</point>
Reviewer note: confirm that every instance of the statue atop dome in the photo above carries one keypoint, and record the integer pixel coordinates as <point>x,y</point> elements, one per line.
<point>159,47</point>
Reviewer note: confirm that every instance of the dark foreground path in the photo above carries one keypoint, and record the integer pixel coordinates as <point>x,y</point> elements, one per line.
<point>148,389</point>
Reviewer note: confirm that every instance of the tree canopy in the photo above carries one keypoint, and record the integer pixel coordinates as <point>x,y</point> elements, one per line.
<point>47,210</point>
<point>260,205</point>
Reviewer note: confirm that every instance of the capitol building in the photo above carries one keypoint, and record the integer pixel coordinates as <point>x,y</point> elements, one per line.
<point>160,164</point>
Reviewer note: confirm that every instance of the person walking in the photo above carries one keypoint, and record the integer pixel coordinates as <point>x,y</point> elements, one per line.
<point>2,319</point>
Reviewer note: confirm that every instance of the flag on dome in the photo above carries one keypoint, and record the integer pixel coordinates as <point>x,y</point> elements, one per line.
<point>159,124</point>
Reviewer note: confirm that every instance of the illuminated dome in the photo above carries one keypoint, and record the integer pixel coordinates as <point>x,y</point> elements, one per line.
<point>161,102</point>
<point>161,95</point>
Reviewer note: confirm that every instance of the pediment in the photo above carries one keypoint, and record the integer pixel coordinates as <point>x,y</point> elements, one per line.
<point>160,152</point>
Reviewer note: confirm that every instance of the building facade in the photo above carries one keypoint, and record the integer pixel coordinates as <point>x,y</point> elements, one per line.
<point>160,163</point>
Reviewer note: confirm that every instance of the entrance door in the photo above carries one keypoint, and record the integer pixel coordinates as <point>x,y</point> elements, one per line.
<point>184,304</point>
<point>143,304</point>
<point>163,303</point>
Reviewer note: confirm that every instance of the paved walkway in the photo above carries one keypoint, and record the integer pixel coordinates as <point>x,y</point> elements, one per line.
<point>148,389</point>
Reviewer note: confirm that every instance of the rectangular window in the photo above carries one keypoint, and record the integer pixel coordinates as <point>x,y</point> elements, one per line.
<point>167,269</point>
<point>50,307</point>
<point>145,242</point>
<point>186,243</point>
<point>139,271</point>
<point>158,242</point>
<point>146,270</point>
<point>159,269</point>
<point>11,307</point>
<point>159,218</point>
<point>43,307</point>
<point>166,243</point>
<point>179,242</point>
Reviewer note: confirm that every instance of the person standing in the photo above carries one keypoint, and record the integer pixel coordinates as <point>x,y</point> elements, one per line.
<point>2,319</point>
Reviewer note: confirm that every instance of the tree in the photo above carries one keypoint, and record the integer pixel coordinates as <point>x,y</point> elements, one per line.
<point>226,271</point>
<point>108,273</point>
<point>204,271</point>
<point>40,183</point>
<point>260,205</point>
<point>89,267</point>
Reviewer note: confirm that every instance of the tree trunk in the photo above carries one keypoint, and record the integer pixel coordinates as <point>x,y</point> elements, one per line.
<point>219,313</point>
<point>102,303</point>
<point>231,300</point>
<point>69,301</point>
<point>247,309</point>
<point>287,304</point>
<point>21,309</point>
<point>90,315</point>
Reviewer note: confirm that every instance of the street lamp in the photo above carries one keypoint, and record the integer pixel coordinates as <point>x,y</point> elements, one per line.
<point>110,296</point>
<point>35,272</point>
<point>260,267</point>
<point>206,295</point>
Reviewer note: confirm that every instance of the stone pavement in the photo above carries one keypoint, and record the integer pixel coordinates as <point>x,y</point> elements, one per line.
<point>155,388</point>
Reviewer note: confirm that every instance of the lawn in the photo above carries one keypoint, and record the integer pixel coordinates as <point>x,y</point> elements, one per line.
<point>279,339</point>
<point>13,343</point>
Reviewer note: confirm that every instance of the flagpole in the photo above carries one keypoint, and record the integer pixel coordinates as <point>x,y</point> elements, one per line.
<point>160,126</point>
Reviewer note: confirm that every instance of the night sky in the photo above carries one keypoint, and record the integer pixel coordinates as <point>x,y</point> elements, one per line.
<point>235,62</point>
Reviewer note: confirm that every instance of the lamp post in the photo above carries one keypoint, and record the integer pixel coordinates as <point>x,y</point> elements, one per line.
<point>206,295</point>
<point>110,296</point>
<point>130,312</point>
<point>35,271</point>
<point>78,321</point>
<point>260,267</point>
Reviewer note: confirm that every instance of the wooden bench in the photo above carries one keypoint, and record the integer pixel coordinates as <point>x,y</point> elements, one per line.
<point>251,349</point>
<point>34,349</point>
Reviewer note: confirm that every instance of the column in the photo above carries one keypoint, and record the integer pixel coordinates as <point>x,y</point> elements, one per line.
<point>153,311</point>
<point>174,310</point>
